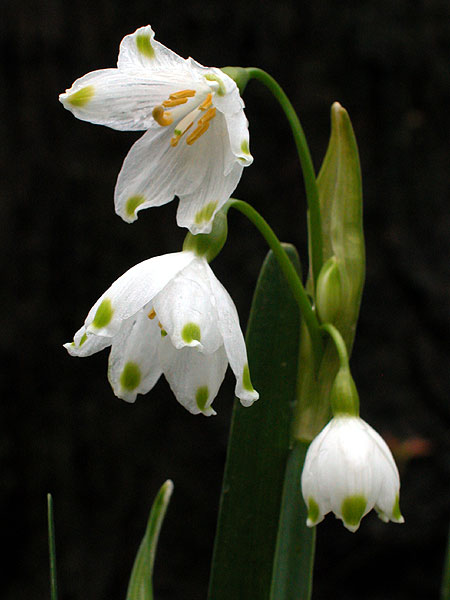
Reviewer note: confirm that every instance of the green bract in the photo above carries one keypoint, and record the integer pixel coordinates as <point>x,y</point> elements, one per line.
<point>342,275</point>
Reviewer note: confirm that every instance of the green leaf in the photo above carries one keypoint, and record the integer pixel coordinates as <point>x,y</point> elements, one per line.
<point>51,548</point>
<point>445,586</point>
<point>258,445</point>
<point>140,585</point>
<point>294,558</point>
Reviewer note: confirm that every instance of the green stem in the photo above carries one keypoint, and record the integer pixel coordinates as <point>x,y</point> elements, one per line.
<point>51,548</point>
<point>312,194</point>
<point>288,270</point>
<point>339,343</point>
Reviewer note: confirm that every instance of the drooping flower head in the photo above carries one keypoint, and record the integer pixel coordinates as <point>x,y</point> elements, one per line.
<point>196,142</point>
<point>170,315</point>
<point>349,470</point>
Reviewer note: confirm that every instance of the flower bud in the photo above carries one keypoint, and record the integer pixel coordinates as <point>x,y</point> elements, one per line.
<point>329,292</point>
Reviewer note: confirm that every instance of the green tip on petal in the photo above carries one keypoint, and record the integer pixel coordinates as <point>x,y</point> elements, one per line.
<point>246,381</point>
<point>313,512</point>
<point>396,514</point>
<point>245,147</point>
<point>103,315</point>
<point>205,214</point>
<point>352,510</point>
<point>83,339</point>
<point>191,332</point>
<point>132,203</point>
<point>144,45</point>
<point>82,97</point>
<point>130,377</point>
<point>201,397</point>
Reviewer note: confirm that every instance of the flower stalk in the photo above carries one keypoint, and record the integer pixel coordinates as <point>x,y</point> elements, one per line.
<point>309,175</point>
<point>288,270</point>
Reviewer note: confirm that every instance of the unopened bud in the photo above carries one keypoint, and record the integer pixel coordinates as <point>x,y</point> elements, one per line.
<point>329,291</point>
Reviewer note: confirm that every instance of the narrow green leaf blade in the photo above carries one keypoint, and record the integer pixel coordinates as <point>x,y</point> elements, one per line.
<point>445,587</point>
<point>294,559</point>
<point>258,445</point>
<point>51,548</point>
<point>140,585</point>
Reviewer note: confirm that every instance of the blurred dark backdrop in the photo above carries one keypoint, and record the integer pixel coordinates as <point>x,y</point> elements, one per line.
<point>63,431</point>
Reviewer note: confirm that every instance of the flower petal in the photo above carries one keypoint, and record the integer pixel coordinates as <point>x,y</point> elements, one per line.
<point>133,290</point>
<point>203,175</point>
<point>140,51</point>
<point>120,99</point>
<point>237,125</point>
<point>194,377</point>
<point>233,339</point>
<point>221,172</point>
<point>185,310</point>
<point>85,343</point>
<point>133,366</point>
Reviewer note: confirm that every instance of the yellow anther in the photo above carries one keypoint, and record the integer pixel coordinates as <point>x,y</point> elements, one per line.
<point>152,314</point>
<point>207,102</point>
<point>198,132</point>
<point>210,114</point>
<point>182,94</point>
<point>174,102</point>
<point>160,325</point>
<point>161,116</point>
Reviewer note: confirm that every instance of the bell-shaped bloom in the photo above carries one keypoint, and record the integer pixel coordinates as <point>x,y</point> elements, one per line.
<point>170,315</point>
<point>349,470</point>
<point>196,142</point>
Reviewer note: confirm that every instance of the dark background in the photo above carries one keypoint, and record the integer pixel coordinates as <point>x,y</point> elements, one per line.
<point>63,431</point>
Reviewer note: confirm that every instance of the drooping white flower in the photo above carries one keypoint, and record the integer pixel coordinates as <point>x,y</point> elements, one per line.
<point>196,142</point>
<point>349,470</point>
<point>171,315</point>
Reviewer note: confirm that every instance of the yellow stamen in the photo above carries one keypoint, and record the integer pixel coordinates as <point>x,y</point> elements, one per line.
<point>161,116</point>
<point>159,325</point>
<point>198,132</point>
<point>152,314</point>
<point>174,102</point>
<point>210,114</point>
<point>182,94</point>
<point>207,102</point>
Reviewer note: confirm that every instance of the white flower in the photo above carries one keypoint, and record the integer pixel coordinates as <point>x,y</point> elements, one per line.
<point>349,470</point>
<point>170,315</point>
<point>196,142</point>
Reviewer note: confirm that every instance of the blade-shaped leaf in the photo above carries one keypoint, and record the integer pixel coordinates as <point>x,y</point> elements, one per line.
<point>140,585</point>
<point>445,586</point>
<point>258,445</point>
<point>294,558</point>
<point>51,548</point>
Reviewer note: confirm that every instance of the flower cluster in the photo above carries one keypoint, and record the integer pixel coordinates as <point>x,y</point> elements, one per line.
<point>169,314</point>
